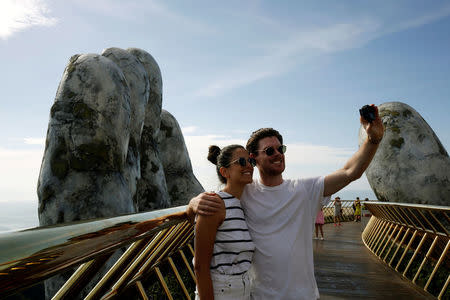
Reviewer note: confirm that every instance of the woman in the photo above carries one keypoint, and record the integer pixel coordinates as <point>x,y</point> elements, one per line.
<point>223,246</point>
<point>357,205</point>
<point>320,220</point>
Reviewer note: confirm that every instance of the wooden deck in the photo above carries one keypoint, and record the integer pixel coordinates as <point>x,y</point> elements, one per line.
<point>346,269</point>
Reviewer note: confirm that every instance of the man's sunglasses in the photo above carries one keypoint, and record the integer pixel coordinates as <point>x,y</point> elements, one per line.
<point>243,162</point>
<point>271,150</point>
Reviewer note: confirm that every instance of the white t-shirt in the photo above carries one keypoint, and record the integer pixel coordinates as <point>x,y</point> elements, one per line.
<point>280,220</point>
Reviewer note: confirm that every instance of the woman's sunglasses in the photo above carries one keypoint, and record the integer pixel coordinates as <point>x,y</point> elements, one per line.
<point>271,150</point>
<point>243,162</point>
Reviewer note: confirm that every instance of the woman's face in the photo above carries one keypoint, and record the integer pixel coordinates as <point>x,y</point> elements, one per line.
<point>238,174</point>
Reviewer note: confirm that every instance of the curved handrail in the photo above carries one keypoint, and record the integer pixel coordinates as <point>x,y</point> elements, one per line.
<point>32,255</point>
<point>414,240</point>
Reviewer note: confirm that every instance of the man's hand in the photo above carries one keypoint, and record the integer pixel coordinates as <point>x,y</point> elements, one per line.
<point>358,163</point>
<point>207,204</point>
<point>375,129</point>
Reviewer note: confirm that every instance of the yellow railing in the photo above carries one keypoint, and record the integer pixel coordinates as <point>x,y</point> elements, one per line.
<point>413,240</point>
<point>156,246</point>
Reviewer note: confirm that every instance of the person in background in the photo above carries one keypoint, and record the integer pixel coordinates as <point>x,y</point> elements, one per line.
<point>320,220</point>
<point>357,208</point>
<point>223,246</point>
<point>337,211</point>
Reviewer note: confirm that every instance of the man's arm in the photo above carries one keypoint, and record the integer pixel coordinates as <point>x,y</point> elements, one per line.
<point>358,163</point>
<point>205,204</point>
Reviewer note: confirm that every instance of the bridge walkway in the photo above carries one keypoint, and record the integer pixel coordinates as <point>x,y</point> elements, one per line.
<point>346,269</point>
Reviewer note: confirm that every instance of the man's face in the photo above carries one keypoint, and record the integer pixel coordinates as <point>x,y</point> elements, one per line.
<point>270,165</point>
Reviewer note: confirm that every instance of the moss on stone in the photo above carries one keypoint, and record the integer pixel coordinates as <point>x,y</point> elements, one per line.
<point>168,130</point>
<point>58,160</point>
<point>83,111</point>
<point>60,168</point>
<point>174,192</point>
<point>91,156</point>
<point>397,143</point>
<point>47,192</point>
<point>68,94</point>
<point>386,112</point>
<point>155,101</point>
<point>154,168</point>
<point>395,129</point>
<point>55,108</point>
<point>407,113</point>
<point>71,65</point>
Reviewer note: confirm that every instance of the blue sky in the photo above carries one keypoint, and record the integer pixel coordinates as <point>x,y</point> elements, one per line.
<point>303,67</point>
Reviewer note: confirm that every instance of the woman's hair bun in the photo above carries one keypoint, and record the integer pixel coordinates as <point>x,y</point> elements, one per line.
<point>213,153</point>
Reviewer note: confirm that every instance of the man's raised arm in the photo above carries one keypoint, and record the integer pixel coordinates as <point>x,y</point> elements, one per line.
<point>358,163</point>
<point>206,204</point>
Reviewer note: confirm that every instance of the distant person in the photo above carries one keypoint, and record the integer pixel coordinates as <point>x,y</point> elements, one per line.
<point>357,207</point>
<point>320,220</point>
<point>223,246</point>
<point>337,211</point>
<point>280,213</point>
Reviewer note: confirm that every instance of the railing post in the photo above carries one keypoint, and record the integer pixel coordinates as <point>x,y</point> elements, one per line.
<point>406,249</point>
<point>399,246</point>
<point>393,242</point>
<point>441,258</point>
<point>415,253</point>
<point>425,258</point>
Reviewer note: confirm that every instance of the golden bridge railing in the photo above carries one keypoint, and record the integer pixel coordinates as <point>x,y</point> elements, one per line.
<point>414,241</point>
<point>158,243</point>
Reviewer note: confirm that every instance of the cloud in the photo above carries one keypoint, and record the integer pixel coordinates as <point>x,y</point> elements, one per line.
<point>16,16</point>
<point>427,18</point>
<point>19,174</point>
<point>189,130</point>
<point>34,141</point>
<point>281,56</point>
<point>133,10</point>
<point>298,45</point>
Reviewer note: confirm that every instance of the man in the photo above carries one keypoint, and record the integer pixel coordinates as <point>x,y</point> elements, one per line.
<point>337,211</point>
<point>280,213</point>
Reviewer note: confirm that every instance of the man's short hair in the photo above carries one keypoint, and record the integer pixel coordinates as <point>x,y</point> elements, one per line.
<point>252,143</point>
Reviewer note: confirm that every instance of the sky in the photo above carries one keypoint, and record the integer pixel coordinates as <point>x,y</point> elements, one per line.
<point>228,68</point>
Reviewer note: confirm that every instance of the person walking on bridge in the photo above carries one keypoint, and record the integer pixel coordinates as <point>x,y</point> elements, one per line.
<point>280,213</point>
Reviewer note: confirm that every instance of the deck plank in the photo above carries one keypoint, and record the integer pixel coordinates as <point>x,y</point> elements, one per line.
<point>346,269</point>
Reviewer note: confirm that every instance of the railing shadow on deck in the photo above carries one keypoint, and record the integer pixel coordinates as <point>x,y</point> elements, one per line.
<point>158,246</point>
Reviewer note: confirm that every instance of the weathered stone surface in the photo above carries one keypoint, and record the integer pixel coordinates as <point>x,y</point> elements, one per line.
<point>181,181</point>
<point>87,144</point>
<point>81,174</point>
<point>153,110</point>
<point>411,165</point>
<point>105,154</point>
<point>139,85</point>
<point>152,187</point>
